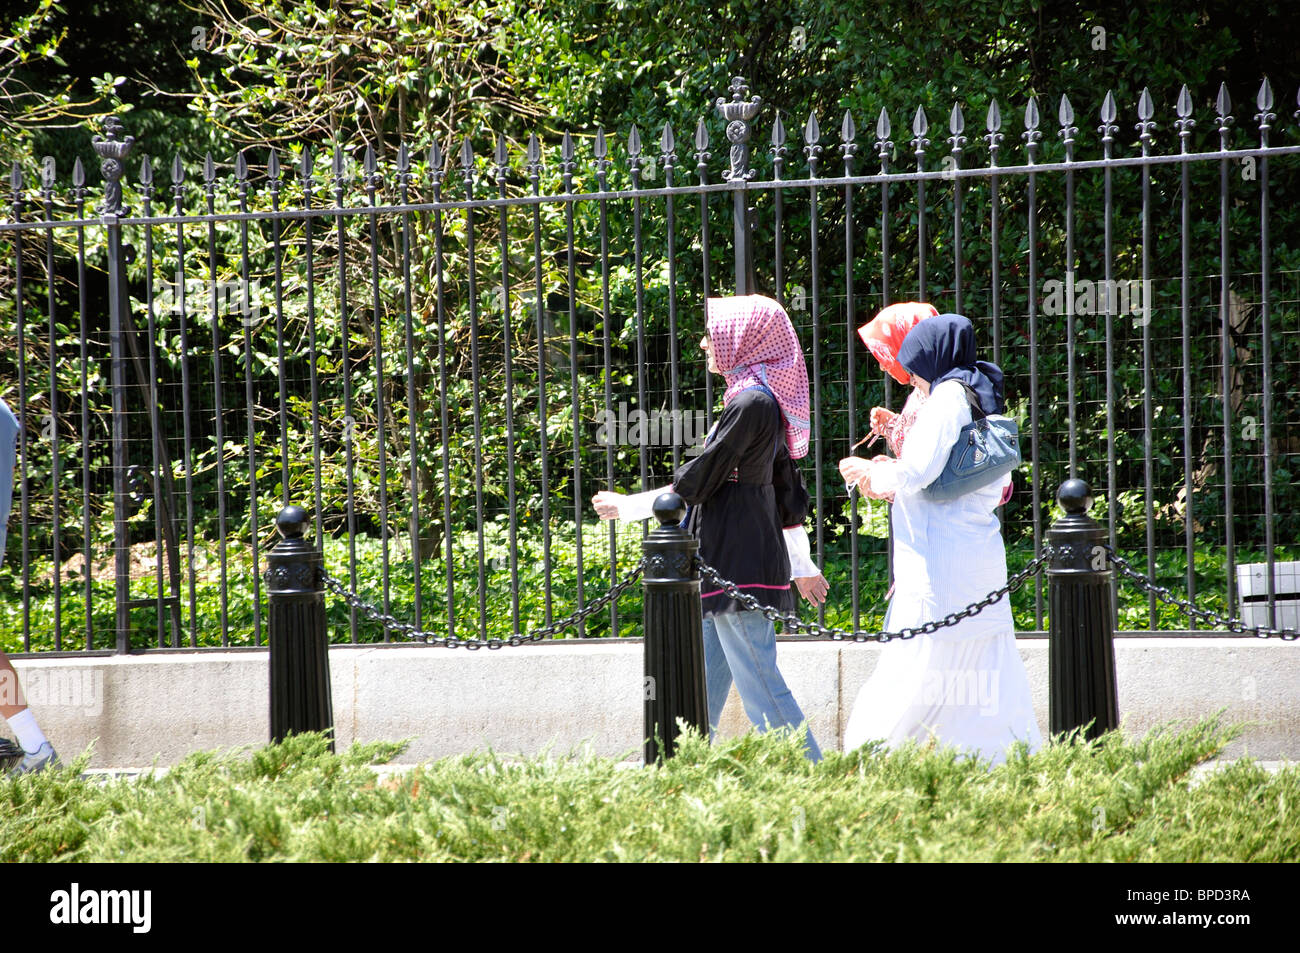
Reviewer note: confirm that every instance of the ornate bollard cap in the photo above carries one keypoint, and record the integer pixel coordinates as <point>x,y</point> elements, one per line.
<point>1075,496</point>
<point>669,509</point>
<point>292,522</point>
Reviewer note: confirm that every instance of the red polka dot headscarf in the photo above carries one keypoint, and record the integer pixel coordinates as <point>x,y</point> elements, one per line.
<point>753,342</point>
<point>884,334</point>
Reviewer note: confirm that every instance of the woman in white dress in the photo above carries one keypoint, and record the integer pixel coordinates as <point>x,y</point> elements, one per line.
<point>963,686</point>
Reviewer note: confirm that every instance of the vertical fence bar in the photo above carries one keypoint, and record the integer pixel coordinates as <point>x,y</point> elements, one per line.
<point>1264,101</point>
<point>146,193</point>
<point>87,565</point>
<point>467,175</point>
<point>51,425</point>
<point>779,151</point>
<point>163,523</point>
<point>993,123</point>
<point>1184,125</point>
<point>277,276</point>
<point>1066,116</point>
<point>373,181</point>
<point>992,136</point>
<point>534,169</point>
<point>112,152</point>
<point>567,165</point>
<point>209,177</point>
<point>956,125</point>
<point>146,196</point>
<point>412,407</point>
<point>600,151</point>
<point>702,170</point>
<point>501,168</point>
<point>813,150</point>
<point>1031,135</point>
<point>166,477</point>
<point>249,308</point>
<point>187,435</point>
<point>437,170</point>
<point>313,381</point>
<point>1224,107</point>
<point>848,132</point>
<point>345,350</point>
<point>1109,111</point>
<point>668,160</point>
<point>884,148</point>
<point>1145,111</point>
<point>638,270</point>
<point>920,126</point>
<point>1184,129</point>
<point>16,181</point>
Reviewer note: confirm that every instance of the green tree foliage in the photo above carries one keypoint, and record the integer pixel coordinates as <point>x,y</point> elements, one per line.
<point>352,78</point>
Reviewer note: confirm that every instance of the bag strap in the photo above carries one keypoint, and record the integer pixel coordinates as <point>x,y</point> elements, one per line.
<point>976,411</point>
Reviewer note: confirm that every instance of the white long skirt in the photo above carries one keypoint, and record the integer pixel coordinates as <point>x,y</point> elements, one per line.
<point>965,685</point>
<point>971,694</point>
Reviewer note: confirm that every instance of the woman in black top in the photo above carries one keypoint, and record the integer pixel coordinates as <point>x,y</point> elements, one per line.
<point>748,504</point>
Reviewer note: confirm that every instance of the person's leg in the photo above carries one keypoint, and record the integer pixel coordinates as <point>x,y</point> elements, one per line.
<point>11,693</point>
<point>749,641</point>
<point>717,674</point>
<point>37,750</point>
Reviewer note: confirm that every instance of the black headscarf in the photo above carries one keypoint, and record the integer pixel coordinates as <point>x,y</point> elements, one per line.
<point>943,348</point>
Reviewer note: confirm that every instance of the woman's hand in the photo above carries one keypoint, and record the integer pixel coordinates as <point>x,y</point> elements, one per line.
<point>867,490</point>
<point>813,588</point>
<point>881,418</point>
<point>857,472</point>
<point>606,503</point>
<point>854,469</point>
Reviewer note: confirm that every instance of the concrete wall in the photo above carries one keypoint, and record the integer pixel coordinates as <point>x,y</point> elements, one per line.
<point>157,708</point>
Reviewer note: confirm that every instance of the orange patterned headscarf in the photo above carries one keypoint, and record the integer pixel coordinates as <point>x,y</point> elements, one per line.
<point>884,334</point>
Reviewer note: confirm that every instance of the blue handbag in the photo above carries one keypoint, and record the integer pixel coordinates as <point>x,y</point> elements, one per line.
<point>987,449</point>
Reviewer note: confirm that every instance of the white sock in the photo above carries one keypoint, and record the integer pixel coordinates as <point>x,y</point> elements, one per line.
<point>29,733</point>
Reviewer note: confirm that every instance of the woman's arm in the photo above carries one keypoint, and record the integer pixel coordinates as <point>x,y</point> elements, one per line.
<point>928,443</point>
<point>630,506</point>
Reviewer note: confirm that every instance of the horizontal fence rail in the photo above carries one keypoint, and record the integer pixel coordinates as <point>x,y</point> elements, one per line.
<point>444,354</point>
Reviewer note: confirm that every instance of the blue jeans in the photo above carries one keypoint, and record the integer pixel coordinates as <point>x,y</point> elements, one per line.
<point>743,645</point>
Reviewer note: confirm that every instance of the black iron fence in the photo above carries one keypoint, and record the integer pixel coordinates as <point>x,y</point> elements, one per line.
<point>444,354</point>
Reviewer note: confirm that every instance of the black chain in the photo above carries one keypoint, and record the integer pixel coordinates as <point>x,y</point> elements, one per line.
<point>431,638</point>
<point>795,624</point>
<point>1204,615</point>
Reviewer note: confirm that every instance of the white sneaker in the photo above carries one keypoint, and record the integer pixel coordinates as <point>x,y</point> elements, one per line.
<point>43,757</point>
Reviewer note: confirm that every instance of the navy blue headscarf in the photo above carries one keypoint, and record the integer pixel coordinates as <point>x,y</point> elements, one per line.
<point>942,348</point>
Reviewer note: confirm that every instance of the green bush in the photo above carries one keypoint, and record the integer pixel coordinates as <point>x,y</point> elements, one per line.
<point>753,798</point>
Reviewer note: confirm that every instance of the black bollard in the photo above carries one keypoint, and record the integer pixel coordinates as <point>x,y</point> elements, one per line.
<point>300,671</point>
<point>1081,654</point>
<point>674,684</point>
